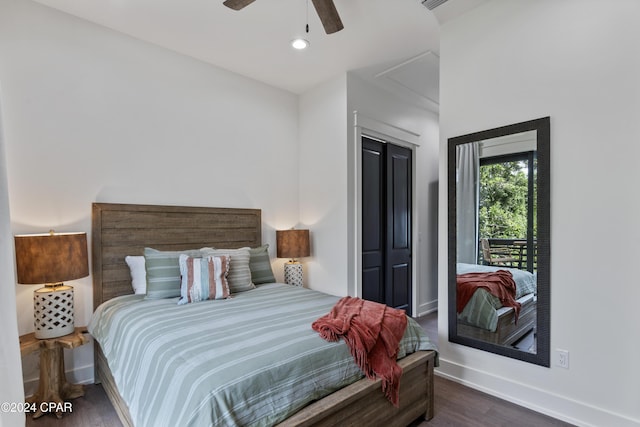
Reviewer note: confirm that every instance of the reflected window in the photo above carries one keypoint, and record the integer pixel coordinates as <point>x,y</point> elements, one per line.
<point>507,210</point>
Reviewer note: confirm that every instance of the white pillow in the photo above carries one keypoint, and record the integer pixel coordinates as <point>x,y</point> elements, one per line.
<point>138,274</point>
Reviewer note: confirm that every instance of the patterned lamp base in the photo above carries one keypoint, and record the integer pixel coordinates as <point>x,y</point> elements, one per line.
<point>53,311</point>
<point>293,273</point>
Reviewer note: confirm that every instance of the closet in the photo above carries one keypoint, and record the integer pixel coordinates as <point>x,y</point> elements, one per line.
<point>386,223</point>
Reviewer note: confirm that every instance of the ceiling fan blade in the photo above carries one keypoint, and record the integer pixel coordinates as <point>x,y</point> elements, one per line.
<point>328,15</point>
<point>237,4</point>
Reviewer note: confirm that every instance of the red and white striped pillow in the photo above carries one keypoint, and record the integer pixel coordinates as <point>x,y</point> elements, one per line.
<point>204,278</point>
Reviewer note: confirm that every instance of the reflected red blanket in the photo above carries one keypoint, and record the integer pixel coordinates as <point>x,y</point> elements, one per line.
<point>372,332</point>
<point>499,283</point>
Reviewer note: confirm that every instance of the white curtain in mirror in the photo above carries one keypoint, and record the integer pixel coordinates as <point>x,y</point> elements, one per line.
<point>468,194</point>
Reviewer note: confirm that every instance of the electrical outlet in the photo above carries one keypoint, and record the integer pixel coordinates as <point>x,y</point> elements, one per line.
<point>562,358</point>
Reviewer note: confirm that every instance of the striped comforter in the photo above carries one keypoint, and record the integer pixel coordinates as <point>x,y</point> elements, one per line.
<point>252,360</point>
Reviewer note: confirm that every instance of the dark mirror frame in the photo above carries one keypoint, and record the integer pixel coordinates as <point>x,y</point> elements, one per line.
<point>542,128</point>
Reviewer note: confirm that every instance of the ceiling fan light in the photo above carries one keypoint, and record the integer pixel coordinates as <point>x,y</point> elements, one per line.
<point>299,44</point>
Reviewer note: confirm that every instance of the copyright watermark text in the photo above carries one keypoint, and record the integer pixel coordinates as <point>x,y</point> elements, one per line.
<point>10,407</point>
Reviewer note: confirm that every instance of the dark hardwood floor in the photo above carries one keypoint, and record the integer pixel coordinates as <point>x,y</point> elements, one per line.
<point>92,410</point>
<point>455,406</point>
<point>458,405</point>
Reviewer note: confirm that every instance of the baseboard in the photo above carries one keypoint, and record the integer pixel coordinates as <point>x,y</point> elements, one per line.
<point>82,375</point>
<point>542,401</point>
<point>426,308</point>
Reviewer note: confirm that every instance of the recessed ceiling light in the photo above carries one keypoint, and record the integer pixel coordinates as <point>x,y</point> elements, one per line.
<point>299,44</point>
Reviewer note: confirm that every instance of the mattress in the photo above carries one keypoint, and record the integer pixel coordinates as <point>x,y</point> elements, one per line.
<point>250,360</point>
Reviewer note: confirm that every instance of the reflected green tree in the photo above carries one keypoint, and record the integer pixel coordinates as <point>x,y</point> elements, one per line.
<point>503,200</point>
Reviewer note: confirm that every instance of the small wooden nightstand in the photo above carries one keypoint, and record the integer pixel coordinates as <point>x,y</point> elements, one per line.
<point>53,385</point>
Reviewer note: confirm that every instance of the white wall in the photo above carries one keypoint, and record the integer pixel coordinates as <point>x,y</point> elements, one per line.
<point>577,62</point>
<point>10,364</point>
<point>322,184</point>
<point>93,115</point>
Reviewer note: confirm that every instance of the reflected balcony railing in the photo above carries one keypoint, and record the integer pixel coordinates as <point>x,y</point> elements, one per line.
<point>517,250</point>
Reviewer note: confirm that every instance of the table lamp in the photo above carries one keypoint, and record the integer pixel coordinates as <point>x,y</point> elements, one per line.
<point>50,259</point>
<point>292,244</point>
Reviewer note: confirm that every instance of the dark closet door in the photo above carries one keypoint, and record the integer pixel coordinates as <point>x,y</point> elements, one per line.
<point>398,242</point>
<point>373,220</point>
<point>386,224</point>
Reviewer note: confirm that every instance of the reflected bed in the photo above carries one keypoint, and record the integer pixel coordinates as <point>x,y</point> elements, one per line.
<point>484,317</point>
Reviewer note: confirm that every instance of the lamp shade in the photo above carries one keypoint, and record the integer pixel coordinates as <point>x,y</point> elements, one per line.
<point>51,258</point>
<point>292,243</point>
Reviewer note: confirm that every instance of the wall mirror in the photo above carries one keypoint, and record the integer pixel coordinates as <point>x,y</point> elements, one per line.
<point>499,240</point>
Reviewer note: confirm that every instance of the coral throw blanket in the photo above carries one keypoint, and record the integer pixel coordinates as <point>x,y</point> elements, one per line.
<point>372,332</point>
<point>499,283</point>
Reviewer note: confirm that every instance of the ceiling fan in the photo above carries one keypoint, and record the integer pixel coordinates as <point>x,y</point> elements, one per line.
<point>325,8</point>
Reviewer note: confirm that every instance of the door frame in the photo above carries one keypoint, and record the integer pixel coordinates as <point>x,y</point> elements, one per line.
<point>386,133</point>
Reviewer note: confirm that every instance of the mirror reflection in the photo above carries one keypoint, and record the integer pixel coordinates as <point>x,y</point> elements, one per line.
<point>495,176</point>
<point>496,232</point>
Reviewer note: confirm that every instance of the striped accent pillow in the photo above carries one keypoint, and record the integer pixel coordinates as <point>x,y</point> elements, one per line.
<point>203,278</point>
<point>260,265</point>
<point>163,272</point>
<point>239,272</point>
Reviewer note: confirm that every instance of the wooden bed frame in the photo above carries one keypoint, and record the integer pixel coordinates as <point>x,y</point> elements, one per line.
<point>507,332</point>
<point>119,230</point>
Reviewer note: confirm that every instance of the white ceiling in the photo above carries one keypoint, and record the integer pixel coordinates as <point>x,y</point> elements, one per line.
<point>392,43</point>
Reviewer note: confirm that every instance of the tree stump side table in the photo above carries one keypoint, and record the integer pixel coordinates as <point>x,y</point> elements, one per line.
<point>53,385</point>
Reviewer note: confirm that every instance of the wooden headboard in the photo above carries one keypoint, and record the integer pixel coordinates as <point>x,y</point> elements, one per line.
<point>119,230</point>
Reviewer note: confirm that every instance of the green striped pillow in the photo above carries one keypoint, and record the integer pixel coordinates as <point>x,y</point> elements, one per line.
<point>260,265</point>
<point>239,277</point>
<point>163,272</point>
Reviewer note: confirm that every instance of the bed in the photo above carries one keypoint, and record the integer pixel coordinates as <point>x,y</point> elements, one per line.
<point>120,230</point>
<point>484,318</point>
